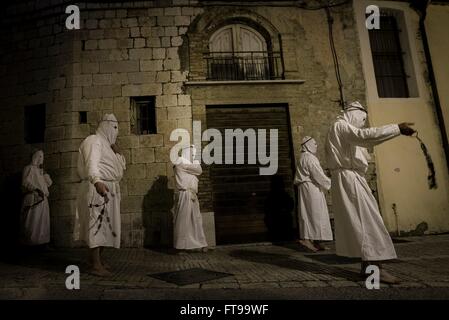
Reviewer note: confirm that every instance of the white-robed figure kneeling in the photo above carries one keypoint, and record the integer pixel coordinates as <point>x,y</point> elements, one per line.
<point>35,209</point>
<point>188,222</point>
<point>100,167</point>
<point>314,222</point>
<point>359,228</point>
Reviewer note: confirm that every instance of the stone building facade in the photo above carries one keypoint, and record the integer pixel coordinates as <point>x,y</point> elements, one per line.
<point>156,49</point>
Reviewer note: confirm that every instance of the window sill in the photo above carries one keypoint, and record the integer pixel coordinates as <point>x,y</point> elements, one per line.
<point>244,82</point>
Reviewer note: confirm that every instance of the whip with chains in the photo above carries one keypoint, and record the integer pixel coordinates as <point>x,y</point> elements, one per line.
<point>431,179</point>
<point>99,220</point>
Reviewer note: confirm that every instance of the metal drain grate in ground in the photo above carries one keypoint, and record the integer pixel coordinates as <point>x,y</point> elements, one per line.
<point>190,276</point>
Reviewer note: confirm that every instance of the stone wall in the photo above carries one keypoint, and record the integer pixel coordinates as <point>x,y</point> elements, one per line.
<point>37,67</point>
<point>129,52</point>
<point>302,37</point>
<point>151,48</point>
<point>121,50</point>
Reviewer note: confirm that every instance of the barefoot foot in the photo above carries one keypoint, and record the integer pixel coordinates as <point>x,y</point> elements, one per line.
<point>308,245</point>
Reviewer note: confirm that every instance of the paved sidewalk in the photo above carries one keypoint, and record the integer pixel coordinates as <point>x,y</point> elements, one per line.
<point>259,271</point>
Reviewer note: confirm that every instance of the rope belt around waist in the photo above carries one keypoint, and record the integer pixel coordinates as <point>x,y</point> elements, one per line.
<point>342,169</point>
<point>193,192</point>
<point>188,189</point>
<point>102,180</point>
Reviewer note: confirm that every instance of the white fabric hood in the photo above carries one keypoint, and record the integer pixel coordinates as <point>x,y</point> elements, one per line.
<point>355,114</point>
<point>108,128</point>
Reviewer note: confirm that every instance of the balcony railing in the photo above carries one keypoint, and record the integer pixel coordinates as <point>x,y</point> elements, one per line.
<point>251,65</point>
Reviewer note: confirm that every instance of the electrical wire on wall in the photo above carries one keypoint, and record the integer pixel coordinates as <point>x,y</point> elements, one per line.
<point>302,5</point>
<point>330,22</point>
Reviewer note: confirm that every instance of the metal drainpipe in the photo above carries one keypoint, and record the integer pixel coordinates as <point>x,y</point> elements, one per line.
<point>422,10</point>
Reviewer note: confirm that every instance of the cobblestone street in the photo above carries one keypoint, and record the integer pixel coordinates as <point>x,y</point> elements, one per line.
<point>259,271</point>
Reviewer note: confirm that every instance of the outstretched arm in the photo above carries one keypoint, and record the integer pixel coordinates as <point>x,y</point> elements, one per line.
<point>370,136</point>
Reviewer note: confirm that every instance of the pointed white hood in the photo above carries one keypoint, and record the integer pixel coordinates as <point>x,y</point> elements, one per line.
<point>38,158</point>
<point>309,144</point>
<point>108,128</point>
<point>355,114</point>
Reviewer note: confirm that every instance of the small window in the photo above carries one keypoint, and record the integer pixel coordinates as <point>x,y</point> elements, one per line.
<point>143,115</point>
<point>390,51</point>
<point>34,123</point>
<point>83,117</point>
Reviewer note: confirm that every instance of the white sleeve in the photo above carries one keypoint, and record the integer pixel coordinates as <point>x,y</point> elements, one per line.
<point>194,168</point>
<point>91,153</point>
<point>122,160</point>
<point>26,180</point>
<point>318,176</point>
<point>370,136</point>
<point>296,180</point>
<point>48,179</point>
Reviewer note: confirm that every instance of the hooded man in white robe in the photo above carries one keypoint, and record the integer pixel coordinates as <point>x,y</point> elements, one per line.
<point>100,167</point>
<point>35,209</point>
<point>188,222</point>
<point>359,228</point>
<point>314,222</point>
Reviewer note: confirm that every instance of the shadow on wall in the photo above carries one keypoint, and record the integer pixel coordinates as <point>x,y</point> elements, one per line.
<point>157,217</point>
<point>420,230</point>
<point>279,207</point>
<point>11,200</point>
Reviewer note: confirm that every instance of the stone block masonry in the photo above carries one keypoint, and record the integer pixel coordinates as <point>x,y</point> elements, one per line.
<point>148,48</point>
<point>129,53</point>
<point>121,51</point>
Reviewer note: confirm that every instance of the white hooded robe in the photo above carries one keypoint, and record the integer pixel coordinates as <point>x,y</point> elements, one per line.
<point>188,222</point>
<point>359,228</point>
<point>314,222</point>
<point>35,209</point>
<point>98,162</point>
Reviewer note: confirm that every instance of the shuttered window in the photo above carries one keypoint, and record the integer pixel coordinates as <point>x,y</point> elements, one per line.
<point>388,59</point>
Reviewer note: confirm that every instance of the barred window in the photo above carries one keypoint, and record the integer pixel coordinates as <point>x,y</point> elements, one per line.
<point>388,59</point>
<point>143,115</point>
